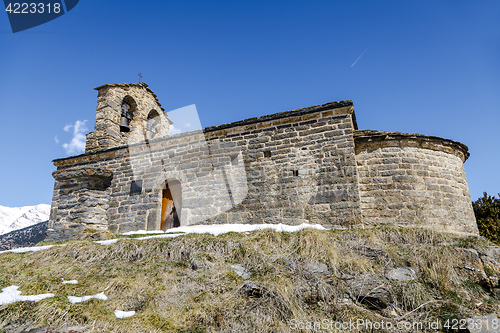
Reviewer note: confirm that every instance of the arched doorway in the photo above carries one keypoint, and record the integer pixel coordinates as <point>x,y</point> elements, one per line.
<point>171,205</point>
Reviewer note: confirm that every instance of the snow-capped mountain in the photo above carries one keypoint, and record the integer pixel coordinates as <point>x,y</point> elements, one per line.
<point>13,218</point>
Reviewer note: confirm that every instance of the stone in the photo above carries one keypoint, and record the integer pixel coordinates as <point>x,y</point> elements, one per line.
<point>371,291</point>
<point>241,272</point>
<point>318,269</point>
<point>490,257</point>
<point>200,262</point>
<point>403,274</point>
<point>266,296</point>
<point>470,266</point>
<point>496,293</point>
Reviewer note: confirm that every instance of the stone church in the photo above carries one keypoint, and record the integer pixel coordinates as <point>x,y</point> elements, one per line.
<point>306,165</point>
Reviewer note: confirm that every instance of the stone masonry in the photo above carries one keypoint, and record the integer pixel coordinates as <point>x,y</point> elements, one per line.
<point>413,180</point>
<point>306,165</point>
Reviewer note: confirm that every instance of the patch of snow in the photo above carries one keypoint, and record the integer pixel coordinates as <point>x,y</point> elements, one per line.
<point>123,314</point>
<point>13,218</point>
<point>160,236</point>
<point>75,299</point>
<point>218,229</point>
<point>69,282</point>
<point>143,232</point>
<point>29,249</point>
<point>107,242</point>
<point>11,295</point>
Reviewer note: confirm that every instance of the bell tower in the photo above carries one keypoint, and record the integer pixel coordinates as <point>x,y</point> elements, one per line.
<point>126,113</point>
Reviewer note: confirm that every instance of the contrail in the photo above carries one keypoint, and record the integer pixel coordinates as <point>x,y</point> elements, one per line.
<point>354,63</point>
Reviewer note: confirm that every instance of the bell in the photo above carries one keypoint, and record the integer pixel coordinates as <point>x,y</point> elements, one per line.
<point>124,125</point>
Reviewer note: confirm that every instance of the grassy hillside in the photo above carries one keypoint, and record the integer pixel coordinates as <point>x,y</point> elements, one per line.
<point>189,283</point>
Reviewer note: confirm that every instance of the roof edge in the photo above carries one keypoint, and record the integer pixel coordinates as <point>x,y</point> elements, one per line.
<point>284,114</point>
<point>138,84</point>
<point>371,136</point>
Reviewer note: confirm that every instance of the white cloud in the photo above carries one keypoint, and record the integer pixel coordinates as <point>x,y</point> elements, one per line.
<point>77,143</point>
<point>56,139</point>
<point>187,124</point>
<point>174,130</point>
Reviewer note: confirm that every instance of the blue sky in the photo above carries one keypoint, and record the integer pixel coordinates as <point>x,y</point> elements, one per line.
<point>429,67</point>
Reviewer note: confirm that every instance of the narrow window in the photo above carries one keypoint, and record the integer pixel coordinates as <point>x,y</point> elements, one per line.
<point>295,173</point>
<point>267,153</point>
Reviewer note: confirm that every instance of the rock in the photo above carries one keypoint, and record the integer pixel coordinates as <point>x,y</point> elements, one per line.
<point>315,267</point>
<point>403,273</point>
<point>93,234</point>
<point>469,266</point>
<point>371,291</point>
<point>197,264</point>
<point>253,289</point>
<point>373,253</point>
<point>344,301</point>
<point>392,311</point>
<point>266,298</point>
<point>490,257</point>
<point>241,272</point>
<point>312,280</point>
<point>201,260</point>
<point>314,287</point>
<point>319,270</point>
<point>314,291</point>
<point>496,293</point>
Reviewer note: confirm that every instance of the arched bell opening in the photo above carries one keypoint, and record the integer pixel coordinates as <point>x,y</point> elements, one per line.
<point>127,113</point>
<point>171,205</point>
<point>152,124</point>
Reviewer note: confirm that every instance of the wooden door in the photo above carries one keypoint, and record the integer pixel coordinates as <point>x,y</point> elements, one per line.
<point>167,204</point>
<point>171,205</point>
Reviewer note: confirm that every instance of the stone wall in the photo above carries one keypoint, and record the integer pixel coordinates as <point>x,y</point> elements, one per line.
<point>305,165</point>
<point>80,199</point>
<point>291,167</point>
<point>143,102</point>
<point>413,181</point>
<point>300,166</point>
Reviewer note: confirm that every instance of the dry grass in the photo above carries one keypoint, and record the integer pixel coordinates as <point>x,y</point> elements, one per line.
<point>185,284</point>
